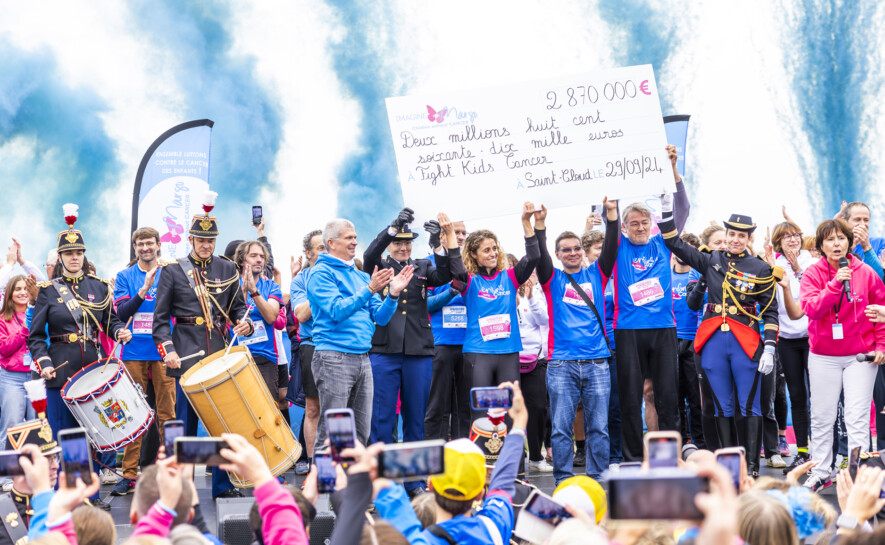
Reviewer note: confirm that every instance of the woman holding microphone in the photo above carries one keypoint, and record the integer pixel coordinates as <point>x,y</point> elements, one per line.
<point>834,294</point>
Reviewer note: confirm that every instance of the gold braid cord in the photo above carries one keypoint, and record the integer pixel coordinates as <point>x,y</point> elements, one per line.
<point>90,307</point>
<point>769,283</point>
<point>220,287</point>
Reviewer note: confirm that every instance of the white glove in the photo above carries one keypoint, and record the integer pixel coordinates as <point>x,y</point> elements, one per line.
<point>766,362</point>
<point>666,203</point>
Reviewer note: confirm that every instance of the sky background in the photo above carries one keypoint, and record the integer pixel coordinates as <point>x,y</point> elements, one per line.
<point>785,99</point>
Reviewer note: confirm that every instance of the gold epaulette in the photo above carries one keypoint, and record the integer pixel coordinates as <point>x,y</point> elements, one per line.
<point>108,282</point>
<point>44,284</point>
<point>162,263</point>
<point>778,273</point>
<point>222,256</point>
<point>703,248</point>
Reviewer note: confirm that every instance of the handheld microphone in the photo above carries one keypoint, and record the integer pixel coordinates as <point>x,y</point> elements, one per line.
<point>846,284</point>
<point>866,357</point>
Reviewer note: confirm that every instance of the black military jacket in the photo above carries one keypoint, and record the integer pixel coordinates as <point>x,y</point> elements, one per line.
<point>408,331</point>
<point>78,344</point>
<point>176,299</point>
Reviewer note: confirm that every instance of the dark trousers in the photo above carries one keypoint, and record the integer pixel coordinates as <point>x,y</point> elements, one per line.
<point>689,393</point>
<point>185,413</point>
<point>448,407</point>
<point>793,355</point>
<point>534,388</point>
<point>646,353</point>
<point>490,370</point>
<point>614,416</point>
<point>879,402</point>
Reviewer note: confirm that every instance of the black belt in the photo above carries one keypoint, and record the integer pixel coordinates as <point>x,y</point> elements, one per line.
<point>716,308</point>
<point>306,339</point>
<point>593,361</point>
<point>189,320</point>
<point>70,338</point>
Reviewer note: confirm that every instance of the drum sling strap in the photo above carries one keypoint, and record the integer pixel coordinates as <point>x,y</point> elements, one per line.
<point>73,306</point>
<point>13,524</point>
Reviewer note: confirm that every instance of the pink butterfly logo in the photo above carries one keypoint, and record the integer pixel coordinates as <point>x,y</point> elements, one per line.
<point>433,115</point>
<point>173,231</point>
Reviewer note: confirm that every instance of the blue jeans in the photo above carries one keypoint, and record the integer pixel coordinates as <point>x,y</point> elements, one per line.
<point>568,383</point>
<point>14,405</point>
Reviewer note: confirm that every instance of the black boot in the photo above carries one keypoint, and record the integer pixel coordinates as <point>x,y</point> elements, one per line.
<point>723,427</point>
<point>752,437</point>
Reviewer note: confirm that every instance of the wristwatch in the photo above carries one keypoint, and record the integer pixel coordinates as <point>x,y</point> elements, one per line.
<point>255,293</point>
<point>847,522</point>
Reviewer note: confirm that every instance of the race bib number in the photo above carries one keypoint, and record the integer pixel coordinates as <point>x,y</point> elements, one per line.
<point>143,323</point>
<point>495,327</point>
<point>454,317</point>
<point>572,297</point>
<point>257,336</point>
<point>646,292</point>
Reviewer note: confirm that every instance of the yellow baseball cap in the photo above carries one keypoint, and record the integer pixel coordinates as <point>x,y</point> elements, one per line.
<point>465,475</point>
<point>584,493</point>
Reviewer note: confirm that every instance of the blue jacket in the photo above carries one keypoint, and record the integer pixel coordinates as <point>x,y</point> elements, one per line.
<point>344,310</point>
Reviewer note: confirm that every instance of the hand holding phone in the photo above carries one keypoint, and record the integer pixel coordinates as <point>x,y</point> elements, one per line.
<point>662,448</point>
<point>9,465</point>
<point>172,430</point>
<point>660,495</point>
<point>412,461</point>
<point>491,397</point>
<point>257,215</point>
<point>341,429</point>
<point>199,450</point>
<point>733,460</point>
<point>326,474</point>
<point>76,459</point>
<point>539,517</point>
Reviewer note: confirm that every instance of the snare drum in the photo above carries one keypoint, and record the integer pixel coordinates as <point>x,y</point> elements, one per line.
<point>229,395</point>
<point>105,401</point>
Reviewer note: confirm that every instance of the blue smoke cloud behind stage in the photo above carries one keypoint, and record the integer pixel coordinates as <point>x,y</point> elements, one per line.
<point>785,99</point>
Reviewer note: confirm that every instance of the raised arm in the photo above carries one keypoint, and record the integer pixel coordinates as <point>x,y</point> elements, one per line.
<point>525,266</point>
<point>545,262</point>
<point>698,260</point>
<point>609,254</point>
<point>372,255</point>
<point>682,206</point>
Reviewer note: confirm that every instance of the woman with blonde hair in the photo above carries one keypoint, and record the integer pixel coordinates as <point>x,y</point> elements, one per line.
<point>492,342</point>
<point>764,520</point>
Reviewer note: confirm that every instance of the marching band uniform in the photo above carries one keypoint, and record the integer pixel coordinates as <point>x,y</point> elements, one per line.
<point>728,339</point>
<point>200,320</point>
<point>76,307</point>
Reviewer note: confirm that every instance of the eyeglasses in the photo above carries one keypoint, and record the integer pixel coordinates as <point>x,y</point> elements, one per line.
<point>573,250</point>
<point>794,235</point>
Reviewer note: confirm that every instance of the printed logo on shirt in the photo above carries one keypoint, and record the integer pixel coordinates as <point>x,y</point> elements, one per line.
<point>643,263</point>
<point>151,294</point>
<point>572,297</point>
<point>492,294</point>
<point>678,292</point>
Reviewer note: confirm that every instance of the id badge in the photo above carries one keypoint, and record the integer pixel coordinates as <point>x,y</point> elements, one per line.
<point>258,336</point>
<point>837,332</point>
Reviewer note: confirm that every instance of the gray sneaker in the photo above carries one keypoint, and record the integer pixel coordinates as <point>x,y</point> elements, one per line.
<point>776,461</point>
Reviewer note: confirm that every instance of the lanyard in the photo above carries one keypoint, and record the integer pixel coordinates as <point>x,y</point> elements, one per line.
<point>841,296</point>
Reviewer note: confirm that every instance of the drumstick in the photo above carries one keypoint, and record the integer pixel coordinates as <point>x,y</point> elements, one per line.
<point>248,310</point>
<point>116,344</point>
<point>60,366</point>
<point>194,355</point>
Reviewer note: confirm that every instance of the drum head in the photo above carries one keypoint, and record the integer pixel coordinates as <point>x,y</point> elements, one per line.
<point>92,379</point>
<point>213,369</point>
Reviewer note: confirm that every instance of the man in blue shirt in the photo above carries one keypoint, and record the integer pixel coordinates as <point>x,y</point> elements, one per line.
<point>313,247</point>
<point>345,311</point>
<point>687,322</point>
<point>264,299</point>
<point>645,328</point>
<point>134,292</point>
<point>578,353</point>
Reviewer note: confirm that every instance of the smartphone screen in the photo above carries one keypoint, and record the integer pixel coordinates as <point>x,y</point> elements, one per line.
<point>326,476</point>
<point>192,450</point>
<point>76,456</point>
<point>853,460</point>
<point>412,461</point>
<point>256,215</point>
<point>663,451</point>
<point>546,509</point>
<point>655,497</point>
<point>491,397</point>
<point>9,466</point>
<point>172,430</point>
<point>732,461</point>
<point>341,429</point>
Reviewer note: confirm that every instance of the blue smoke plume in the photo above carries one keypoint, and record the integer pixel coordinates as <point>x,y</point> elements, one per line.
<point>218,86</point>
<point>646,36</point>
<point>833,65</point>
<point>73,157</point>
<point>369,189</point>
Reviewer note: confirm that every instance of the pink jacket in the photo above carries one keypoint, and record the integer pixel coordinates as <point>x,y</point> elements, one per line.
<point>820,295</point>
<point>281,520</point>
<point>156,522</point>
<point>13,344</point>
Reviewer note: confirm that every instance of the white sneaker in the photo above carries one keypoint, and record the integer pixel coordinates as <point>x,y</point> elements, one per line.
<point>541,466</point>
<point>817,482</point>
<point>109,477</point>
<point>776,461</point>
<point>614,468</point>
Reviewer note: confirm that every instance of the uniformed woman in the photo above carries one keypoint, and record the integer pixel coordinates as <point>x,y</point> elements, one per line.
<point>71,310</point>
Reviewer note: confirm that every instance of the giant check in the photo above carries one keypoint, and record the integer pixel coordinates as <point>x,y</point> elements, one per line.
<point>560,142</point>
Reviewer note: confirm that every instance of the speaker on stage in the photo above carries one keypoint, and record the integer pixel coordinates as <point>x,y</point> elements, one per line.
<point>321,528</point>
<point>232,515</point>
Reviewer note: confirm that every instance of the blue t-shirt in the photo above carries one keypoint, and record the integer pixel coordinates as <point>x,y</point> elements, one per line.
<point>129,281</point>
<point>878,245</point>
<point>610,314</point>
<point>297,296</point>
<point>492,323</point>
<point>642,285</point>
<point>262,341</point>
<point>686,319</point>
<point>450,322</point>
<point>574,330</point>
